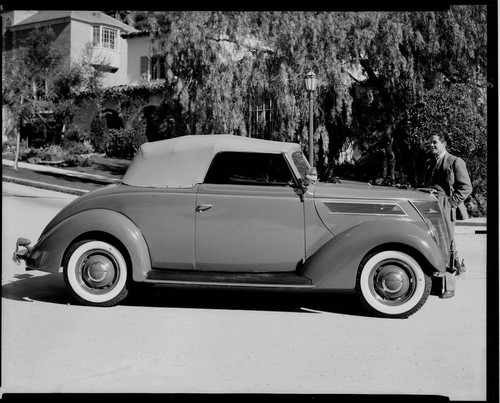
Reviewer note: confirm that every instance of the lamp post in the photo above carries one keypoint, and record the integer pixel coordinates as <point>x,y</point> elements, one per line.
<point>310,81</point>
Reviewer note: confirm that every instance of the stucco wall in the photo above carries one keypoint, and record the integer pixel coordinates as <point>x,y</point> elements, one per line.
<point>120,76</point>
<point>81,35</point>
<point>137,47</point>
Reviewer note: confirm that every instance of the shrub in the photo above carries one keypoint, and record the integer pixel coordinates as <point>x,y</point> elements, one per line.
<point>71,160</point>
<point>98,134</point>
<point>72,135</point>
<point>123,143</point>
<point>9,147</point>
<point>26,154</point>
<point>76,148</point>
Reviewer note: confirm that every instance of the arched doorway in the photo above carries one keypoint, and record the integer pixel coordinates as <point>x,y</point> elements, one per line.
<point>113,119</point>
<point>150,114</point>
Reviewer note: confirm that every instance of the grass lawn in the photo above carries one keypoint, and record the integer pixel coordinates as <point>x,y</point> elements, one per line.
<point>110,167</point>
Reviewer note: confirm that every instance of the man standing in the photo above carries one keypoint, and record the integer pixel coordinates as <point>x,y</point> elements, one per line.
<point>448,175</point>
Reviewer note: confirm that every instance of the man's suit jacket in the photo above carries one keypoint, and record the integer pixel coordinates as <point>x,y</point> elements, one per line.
<point>451,177</point>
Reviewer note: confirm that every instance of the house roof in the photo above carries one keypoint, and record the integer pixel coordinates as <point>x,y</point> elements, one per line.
<point>183,162</point>
<point>93,17</point>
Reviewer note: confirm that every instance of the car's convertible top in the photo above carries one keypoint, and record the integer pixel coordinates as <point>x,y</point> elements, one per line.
<point>183,162</point>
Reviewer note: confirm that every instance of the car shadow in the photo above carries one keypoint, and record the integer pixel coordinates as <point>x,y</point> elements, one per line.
<point>30,287</point>
<point>240,298</point>
<point>50,288</point>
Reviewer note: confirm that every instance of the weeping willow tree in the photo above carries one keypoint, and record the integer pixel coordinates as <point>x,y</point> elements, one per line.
<point>372,68</point>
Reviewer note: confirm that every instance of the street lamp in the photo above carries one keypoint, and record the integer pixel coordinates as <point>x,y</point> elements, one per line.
<point>310,81</point>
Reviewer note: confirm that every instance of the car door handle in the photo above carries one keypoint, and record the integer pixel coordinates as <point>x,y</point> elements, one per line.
<point>200,208</point>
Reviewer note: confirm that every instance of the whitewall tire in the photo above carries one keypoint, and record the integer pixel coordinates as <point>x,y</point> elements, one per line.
<point>392,284</point>
<point>96,273</point>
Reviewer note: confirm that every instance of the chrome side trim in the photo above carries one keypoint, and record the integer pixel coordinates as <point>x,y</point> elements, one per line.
<point>386,209</point>
<point>417,210</point>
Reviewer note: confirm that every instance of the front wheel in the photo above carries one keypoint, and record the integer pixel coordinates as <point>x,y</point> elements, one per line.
<point>96,273</point>
<point>392,284</point>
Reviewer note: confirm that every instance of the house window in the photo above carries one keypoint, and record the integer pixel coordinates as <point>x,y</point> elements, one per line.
<point>152,68</point>
<point>103,37</point>
<point>157,67</point>
<point>144,68</point>
<point>261,119</point>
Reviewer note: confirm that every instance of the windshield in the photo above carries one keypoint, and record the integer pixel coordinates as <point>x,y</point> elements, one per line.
<point>301,163</point>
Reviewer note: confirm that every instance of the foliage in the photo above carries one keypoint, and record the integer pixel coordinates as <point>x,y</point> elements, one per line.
<point>98,134</point>
<point>218,63</point>
<point>76,148</point>
<point>40,59</point>
<point>459,110</point>
<point>74,160</point>
<point>123,143</point>
<point>68,156</point>
<point>375,70</point>
<point>39,87</point>
<point>137,19</point>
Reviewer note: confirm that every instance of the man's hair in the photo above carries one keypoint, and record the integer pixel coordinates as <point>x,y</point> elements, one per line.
<point>442,136</point>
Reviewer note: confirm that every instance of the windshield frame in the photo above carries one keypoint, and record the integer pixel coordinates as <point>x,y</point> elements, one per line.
<point>300,164</point>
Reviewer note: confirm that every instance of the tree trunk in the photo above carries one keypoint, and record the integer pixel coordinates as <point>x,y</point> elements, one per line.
<point>18,143</point>
<point>18,135</point>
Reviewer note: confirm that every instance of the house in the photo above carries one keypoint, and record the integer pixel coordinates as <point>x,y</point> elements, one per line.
<point>142,67</point>
<point>126,56</point>
<point>73,30</point>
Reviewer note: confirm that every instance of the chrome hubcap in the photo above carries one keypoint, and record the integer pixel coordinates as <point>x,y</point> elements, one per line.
<point>393,282</point>
<point>97,271</point>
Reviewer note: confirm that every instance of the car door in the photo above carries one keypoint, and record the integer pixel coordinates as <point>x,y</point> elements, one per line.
<point>249,216</point>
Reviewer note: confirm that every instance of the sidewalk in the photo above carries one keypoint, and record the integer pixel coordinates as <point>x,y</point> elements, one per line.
<point>60,171</point>
<point>472,225</point>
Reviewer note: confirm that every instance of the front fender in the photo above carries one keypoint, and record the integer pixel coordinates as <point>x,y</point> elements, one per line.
<point>335,264</point>
<point>48,253</point>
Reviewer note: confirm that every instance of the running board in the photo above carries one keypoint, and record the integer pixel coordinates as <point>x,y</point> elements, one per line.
<point>288,280</point>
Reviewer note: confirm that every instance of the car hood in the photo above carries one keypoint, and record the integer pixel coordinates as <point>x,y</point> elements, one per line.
<point>344,205</point>
<point>360,190</point>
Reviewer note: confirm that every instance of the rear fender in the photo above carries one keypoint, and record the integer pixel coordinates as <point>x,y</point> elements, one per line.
<point>335,264</point>
<point>48,253</point>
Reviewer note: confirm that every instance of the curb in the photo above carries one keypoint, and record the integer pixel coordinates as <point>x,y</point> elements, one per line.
<point>470,224</point>
<point>46,186</point>
<point>66,172</point>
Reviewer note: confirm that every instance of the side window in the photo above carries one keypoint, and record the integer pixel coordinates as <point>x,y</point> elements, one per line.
<point>241,168</point>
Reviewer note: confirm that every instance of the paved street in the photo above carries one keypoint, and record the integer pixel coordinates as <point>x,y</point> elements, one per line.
<point>175,340</point>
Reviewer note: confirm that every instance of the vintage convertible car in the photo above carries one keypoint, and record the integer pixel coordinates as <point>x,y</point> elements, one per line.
<point>242,212</point>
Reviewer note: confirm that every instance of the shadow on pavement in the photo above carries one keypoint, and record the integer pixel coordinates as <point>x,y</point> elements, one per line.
<point>51,288</point>
<point>245,299</point>
<point>28,287</point>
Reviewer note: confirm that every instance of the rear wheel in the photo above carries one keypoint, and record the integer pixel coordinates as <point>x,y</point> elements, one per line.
<point>96,273</point>
<point>392,284</point>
